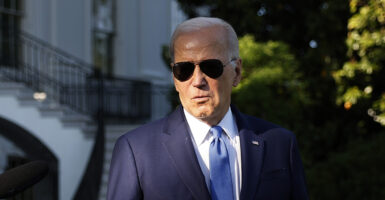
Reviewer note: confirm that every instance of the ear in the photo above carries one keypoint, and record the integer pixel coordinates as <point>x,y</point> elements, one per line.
<point>238,73</point>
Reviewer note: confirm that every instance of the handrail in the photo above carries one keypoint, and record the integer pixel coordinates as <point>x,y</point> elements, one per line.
<point>70,81</point>
<point>47,69</point>
<point>26,36</point>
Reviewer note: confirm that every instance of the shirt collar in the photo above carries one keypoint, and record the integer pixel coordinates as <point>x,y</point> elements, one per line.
<point>228,124</point>
<point>199,129</point>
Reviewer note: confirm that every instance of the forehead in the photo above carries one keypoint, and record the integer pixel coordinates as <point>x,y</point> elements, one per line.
<point>200,44</point>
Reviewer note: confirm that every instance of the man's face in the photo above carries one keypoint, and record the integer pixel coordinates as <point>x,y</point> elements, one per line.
<point>206,98</point>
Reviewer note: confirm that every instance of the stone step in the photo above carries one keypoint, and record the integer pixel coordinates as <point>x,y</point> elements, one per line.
<point>49,109</point>
<point>103,193</point>
<point>91,129</point>
<point>107,157</point>
<point>106,166</point>
<point>113,132</point>
<point>119,129</point>
<point>110,147</point>
<point>7,87</point>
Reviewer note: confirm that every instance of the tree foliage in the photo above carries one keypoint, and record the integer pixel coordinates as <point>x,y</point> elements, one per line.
<point>317,68</point>
<point>354,173</point>
<point>361,81</point>
<point>314,31</point>
<point>270,79</point>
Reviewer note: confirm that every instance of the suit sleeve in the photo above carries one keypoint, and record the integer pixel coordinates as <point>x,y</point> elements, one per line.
<point>123,180</point>
<point>299,190</point>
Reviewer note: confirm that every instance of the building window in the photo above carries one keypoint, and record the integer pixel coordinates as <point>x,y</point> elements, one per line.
<point>103,35</point>
<point>10,14</point>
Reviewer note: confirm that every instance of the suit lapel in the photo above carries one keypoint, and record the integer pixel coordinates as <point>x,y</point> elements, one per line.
<point>252,148</point>
<point>179,146</point>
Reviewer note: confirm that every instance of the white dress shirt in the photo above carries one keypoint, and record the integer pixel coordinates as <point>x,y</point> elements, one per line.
<point>201,141</point>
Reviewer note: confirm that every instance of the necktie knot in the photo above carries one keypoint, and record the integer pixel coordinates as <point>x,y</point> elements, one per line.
<point>216,131</point>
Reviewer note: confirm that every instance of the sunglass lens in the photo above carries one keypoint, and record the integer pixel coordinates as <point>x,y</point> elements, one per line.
<point>183,71</point>
<point>212,68</point>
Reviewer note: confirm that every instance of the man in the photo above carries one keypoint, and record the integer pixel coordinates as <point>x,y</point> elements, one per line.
<point>206,148</point>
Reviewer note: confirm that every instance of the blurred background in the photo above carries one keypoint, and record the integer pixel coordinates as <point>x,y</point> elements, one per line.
<point>75,75</point>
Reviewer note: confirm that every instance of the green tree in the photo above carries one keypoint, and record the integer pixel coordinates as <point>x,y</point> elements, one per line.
<point>361,81</point>
<point>270,81</point>
<point>315,32</point>
<point>355,173</point>
<point>297,74</point>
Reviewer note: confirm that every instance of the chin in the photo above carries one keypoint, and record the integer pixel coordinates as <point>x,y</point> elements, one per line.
<point>203,114</point>
<point>204,110</point>
<point>199,114</point>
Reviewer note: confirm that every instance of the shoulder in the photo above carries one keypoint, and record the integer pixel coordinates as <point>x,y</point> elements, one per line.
<point>259,124</point>
<point>138,140</point>
<point>276,138</point>
<point>144,131</point>
<point>153,132</point>
<point>266,129</point>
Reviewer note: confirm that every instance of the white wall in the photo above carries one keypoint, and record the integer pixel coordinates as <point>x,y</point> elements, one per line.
<point>38,19</point>
<point>143,26</point>
<point>177,15</point>
<point>63,23</point>
<point>70,146</point>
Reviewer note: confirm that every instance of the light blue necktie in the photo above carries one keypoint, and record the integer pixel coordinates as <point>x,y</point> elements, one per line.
<point>220,174</point>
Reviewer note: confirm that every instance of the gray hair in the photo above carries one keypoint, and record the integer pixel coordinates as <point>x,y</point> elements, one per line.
<point>198,23</point>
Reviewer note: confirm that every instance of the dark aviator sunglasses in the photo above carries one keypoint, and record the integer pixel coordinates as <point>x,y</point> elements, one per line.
<point>213,68</point>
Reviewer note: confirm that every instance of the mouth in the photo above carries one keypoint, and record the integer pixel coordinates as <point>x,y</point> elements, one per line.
<point>201,99</point>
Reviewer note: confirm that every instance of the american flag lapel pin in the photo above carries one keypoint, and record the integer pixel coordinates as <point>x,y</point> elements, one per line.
<point>255,143</point>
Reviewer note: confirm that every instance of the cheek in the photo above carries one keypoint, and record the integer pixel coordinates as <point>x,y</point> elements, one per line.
<point>182,91</point>
<point>224,92</point>
<point>179,87</point>
<point>225,85</point>
<point>219,91</point>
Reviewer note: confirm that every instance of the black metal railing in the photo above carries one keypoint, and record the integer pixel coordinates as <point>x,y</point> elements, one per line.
<point>50,70</point>
<point>121,98</point>
<point>76,84</point>
<point>71,82</point>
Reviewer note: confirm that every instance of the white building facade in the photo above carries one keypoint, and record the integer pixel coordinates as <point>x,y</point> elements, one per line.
<point>52,55</point>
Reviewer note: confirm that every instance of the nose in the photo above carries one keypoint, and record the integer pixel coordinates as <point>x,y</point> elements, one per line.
<point>198,78</point>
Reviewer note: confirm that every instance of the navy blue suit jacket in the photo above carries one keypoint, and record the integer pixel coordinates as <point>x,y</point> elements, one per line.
<point>157,162</point>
